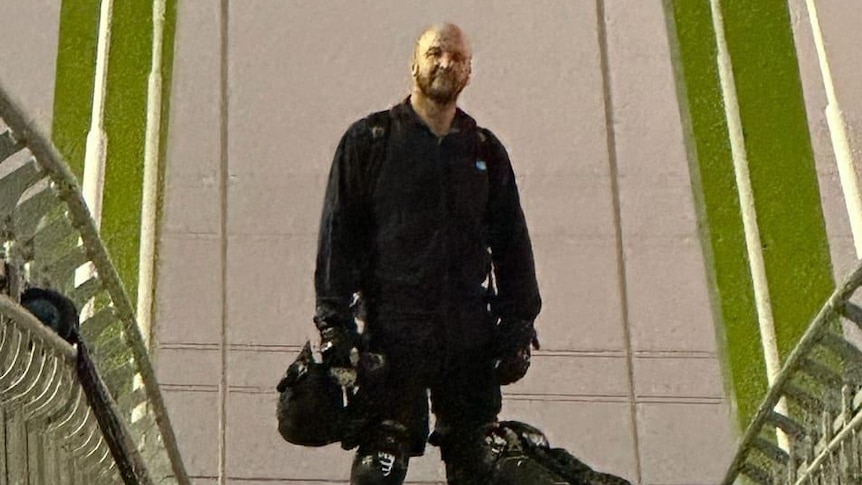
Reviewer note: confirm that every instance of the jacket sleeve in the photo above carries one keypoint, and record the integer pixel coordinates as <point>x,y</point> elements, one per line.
<point>343,240</point>
<point>511,250</point>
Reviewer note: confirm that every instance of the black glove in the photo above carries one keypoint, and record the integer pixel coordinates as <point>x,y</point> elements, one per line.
<point>515,339</point>
<point>338,337</point>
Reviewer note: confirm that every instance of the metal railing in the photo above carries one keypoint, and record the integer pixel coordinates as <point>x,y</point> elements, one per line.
<point>49,432</point>
<point>46,235</point>
<point>822,383</point>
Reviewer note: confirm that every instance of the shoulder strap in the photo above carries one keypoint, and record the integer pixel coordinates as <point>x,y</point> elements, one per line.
<point>483,153</point>
<point>485,146</point>
<point>373,143</point>
<point>379,123</point>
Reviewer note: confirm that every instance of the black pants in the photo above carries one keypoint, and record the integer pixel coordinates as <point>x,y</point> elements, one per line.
<point>448,359</point>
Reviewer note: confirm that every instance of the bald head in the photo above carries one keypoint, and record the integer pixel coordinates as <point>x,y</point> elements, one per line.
<point>447,33</point>
<point>441,63</point>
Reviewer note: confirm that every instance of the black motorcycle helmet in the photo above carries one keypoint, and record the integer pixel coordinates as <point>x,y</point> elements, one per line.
<point>53,309</point>
<point>310,403</point>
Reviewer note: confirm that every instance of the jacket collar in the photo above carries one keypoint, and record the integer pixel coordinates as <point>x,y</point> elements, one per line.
<point>462,121</point>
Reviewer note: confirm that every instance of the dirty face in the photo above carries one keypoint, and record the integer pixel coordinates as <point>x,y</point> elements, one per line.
<point>441,64</point>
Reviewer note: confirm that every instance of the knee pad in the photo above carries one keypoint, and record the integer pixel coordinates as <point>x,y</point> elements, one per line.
<point>383,459</point>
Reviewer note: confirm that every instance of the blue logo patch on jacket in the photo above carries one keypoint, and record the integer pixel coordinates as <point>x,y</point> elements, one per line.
<point>480,164</point>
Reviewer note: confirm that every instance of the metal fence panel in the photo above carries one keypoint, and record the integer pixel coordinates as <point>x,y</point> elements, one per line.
<point>46,235</point>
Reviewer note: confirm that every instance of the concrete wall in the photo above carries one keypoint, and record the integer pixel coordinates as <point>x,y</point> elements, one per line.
<point>28,54</point>
<point>584,96</point>
<point>585,102</point>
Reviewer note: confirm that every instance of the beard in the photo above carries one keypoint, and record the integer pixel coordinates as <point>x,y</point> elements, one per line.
<point>440,87</point>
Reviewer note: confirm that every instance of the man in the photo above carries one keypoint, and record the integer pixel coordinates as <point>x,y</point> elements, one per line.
<point>421,204</point>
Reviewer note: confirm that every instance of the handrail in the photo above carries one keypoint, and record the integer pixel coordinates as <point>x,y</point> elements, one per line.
<point>818,333</point>
<point>74,438</point>
<point>64,186</point>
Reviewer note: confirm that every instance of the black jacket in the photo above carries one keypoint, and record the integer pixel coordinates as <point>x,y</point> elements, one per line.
<point>415,231</point>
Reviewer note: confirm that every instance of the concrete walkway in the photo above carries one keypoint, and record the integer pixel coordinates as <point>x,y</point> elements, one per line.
<point>628,378</point>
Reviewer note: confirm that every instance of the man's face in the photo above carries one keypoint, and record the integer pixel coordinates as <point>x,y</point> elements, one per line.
<point>441,65</point>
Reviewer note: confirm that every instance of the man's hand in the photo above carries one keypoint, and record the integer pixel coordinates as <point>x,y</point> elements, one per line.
<point>337,340</point>
<point>515,339</point>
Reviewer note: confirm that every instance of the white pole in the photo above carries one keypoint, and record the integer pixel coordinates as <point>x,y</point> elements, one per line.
<point>749,215</point>
<point>151,176</point>
<point>146,259</point>
<point>97,141</point>
<point>838,134</point>
<point>94,160</point>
